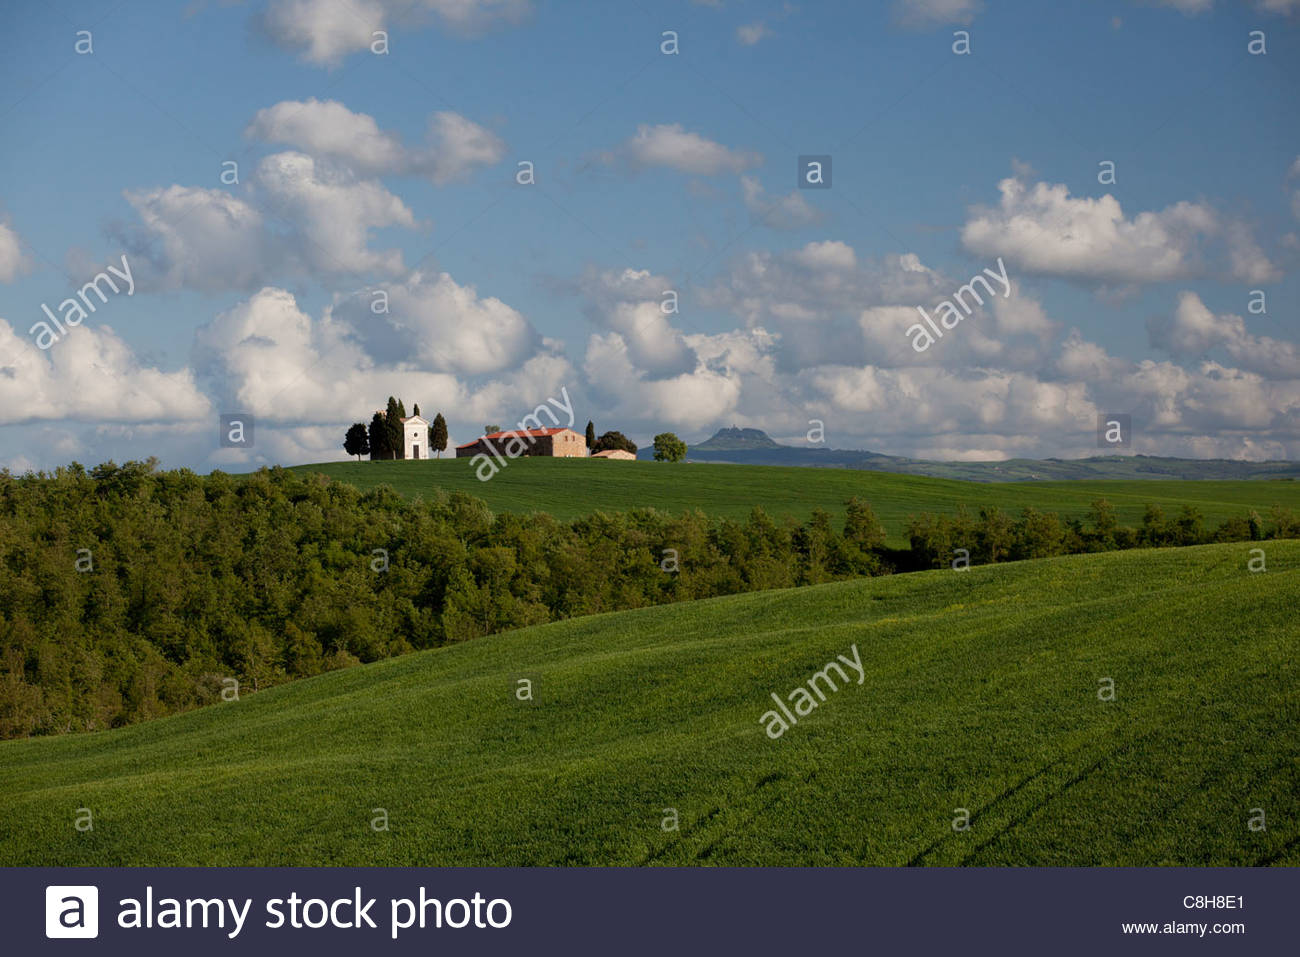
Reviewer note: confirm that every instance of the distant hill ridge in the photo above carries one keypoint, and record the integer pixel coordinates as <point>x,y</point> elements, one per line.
<point>734,438</point>
<point>756,447</point>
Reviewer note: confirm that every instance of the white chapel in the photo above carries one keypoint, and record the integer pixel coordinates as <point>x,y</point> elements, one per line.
<point>415,437</point>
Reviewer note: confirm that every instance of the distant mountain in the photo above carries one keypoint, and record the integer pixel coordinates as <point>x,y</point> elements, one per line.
<point>726,440</point>
<point>756,447</point>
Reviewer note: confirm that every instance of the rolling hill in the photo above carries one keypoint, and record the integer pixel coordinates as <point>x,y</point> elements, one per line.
<point>756,447</point>
<point>980,691</point>
<point>736,440</point>
<point>571,488</point>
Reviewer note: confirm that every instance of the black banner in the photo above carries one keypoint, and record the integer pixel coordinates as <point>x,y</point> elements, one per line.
<point>198,911</point>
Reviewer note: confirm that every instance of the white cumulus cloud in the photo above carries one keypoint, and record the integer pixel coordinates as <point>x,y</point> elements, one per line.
<point>1193,330</point>
<point>268,357</point>
<point>91,375</point>
<point>199,238</point>
<point>1042,229</point>
<point>671,146</point>
<point>14,262</point>
<point>325,31</point>
<point>454,147</point>
<point>925,14</point>
<point>332,213</point>
<point>299,216</point>
<point>638,306</point>
<point>432,322</point>
<point>792,211</point>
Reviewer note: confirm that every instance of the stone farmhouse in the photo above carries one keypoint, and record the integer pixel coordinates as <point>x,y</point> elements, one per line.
<point>619,454</point>
<point>558,443</point>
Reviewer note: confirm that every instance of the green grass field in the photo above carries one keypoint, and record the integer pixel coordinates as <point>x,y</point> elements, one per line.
<point>570,488</point>
<point>980,692</point>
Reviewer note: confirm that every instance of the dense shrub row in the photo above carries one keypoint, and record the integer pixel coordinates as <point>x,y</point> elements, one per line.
<point>127,593</point>
<point>994,536</point>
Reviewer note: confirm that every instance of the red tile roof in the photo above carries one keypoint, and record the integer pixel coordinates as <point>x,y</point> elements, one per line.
<point>531,433</point>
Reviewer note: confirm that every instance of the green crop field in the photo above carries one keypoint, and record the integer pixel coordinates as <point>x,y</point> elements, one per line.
<point>570,488</point>
<point>980,690</point>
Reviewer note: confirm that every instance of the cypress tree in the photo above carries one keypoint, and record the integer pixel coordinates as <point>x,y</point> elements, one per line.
<point>393,419</point>
<point>438,434</point>
<point>379,448</point>
<point>591,435</point>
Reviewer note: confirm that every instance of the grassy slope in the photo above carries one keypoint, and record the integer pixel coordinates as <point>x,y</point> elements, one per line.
<point>569,488</point>
<point>980,693</point>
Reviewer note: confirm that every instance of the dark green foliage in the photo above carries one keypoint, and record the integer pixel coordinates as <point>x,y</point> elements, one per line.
<point>1155,531</point>
<point>1286,524</point>
<point>189,581</point>
<point>861,527</point>
<point>815,546</point>
<point>127,593</point>
<point>1038,535</point>
<point>357,441</point>
<point>1105,524</point>
<point>614,440</point>
<point>994,537</point>
<point>864,538</point>
<point>1189,528</point>
<point>591,434</point>
<point>669,448</point>
<point>380,447</point>
<point>393,424</point>
<point>438,434</point>
<point>979,691</point>
<point>491,429</point>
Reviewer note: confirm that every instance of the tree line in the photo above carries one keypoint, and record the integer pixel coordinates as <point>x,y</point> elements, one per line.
<point>384,438</point>
<point>991,535</point>
<point>127,593</point>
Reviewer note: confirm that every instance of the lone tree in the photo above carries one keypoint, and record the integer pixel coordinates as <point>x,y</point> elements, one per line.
<point>591,435</point>
<point>489,429</point>
<point>357,441</point>
<point>614,440</point>
<point>669,448</point>
<point>438,434</point>
<point>379,447</point>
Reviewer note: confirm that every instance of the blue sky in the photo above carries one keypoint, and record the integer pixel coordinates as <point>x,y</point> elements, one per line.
<point>395,174</point>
